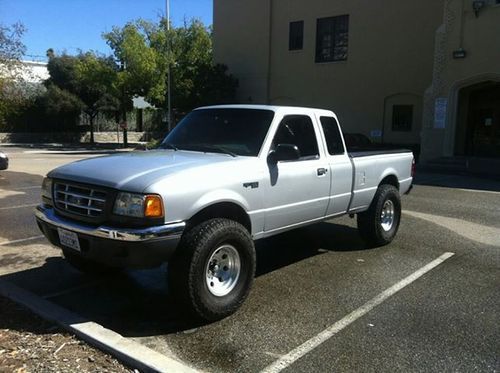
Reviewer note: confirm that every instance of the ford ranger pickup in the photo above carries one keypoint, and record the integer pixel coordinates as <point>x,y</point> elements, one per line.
<point>223,178</point>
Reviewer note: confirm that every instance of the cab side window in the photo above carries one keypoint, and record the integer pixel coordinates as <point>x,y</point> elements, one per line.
<point>332,135</point>
<point>298,130</point>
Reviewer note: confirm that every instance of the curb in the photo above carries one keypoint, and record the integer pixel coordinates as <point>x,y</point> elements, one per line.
<point>128,351</point>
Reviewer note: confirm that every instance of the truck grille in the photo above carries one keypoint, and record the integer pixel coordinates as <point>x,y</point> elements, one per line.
<point>80,200</point>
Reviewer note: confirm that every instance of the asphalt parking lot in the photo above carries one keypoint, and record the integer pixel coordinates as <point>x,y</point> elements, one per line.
<point>321,301</point>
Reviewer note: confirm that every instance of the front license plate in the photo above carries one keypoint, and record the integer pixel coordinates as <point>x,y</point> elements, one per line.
<point>69,239</point>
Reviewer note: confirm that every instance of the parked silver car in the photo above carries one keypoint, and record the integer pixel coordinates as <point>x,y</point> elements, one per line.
<point>4,161</point>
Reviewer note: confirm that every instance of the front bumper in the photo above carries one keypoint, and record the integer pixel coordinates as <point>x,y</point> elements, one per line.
<point>119,247</point>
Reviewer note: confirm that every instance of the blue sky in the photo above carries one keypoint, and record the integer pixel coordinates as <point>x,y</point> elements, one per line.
<point>78,24</point>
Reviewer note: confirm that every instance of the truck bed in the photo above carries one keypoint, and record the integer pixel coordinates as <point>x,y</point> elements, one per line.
<point>370,167</point>
<point>367,153</point>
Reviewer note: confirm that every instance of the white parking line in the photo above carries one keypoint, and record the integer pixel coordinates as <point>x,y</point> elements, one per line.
<point>476,232</point>
<point>22,188</point>
<point>308,346</point>
<point>29,187</point>
<point>478,191</point>
<point>19,206</point>
<point>20,240</point>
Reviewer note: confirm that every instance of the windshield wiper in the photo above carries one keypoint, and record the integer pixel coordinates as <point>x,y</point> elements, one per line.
<point>206,148</point>
<point>169,146</point>
<point>223,150</point>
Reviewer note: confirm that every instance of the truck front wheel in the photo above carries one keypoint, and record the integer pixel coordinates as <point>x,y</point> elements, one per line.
<point>213,269</point>
<point>379,224</point>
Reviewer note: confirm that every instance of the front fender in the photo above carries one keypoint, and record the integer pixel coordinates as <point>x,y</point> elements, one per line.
<point>218,196</point>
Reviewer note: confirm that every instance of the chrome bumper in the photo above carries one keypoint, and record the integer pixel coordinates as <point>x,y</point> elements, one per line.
<point>167,231</point>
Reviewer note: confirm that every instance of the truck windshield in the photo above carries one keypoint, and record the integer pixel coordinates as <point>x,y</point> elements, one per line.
<point>231,131</point>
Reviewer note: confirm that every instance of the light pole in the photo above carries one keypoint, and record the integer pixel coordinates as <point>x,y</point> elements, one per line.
<point>169,72</point>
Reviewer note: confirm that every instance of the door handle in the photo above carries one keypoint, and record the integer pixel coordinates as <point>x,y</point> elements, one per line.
<point>322,171</point>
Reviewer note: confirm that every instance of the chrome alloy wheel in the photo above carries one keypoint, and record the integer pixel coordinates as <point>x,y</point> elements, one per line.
<point>387,215</point>
<point>223,270</point>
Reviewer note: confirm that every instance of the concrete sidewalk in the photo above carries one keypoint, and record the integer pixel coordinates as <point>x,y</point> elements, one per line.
<point>471,166</point>
<point>74,146</point>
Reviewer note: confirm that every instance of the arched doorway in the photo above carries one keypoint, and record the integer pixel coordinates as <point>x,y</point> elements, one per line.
<point>478,120</point>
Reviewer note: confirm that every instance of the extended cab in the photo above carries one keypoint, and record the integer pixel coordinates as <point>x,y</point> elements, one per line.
<point>223,178</point>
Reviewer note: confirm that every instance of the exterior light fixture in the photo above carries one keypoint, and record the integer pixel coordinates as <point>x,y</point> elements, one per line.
<point>459,53</point>
<point>477,5</point>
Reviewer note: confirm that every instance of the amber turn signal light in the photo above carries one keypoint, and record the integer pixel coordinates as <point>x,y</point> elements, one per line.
<point>153,206</point>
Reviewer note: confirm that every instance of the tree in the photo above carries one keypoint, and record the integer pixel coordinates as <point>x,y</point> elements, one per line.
<point>144,50</point>
<point>94,77</point>
<point>62,71</point>
<point>14,93</point>
<point>62,104</point>
<point>88,77</point>
<point>12,49</point>
<point>197,81</point>
<point>141,69</point>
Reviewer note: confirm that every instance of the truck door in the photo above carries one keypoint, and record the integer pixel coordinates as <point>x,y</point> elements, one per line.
<point>340,167</point>
<point>298,190</point>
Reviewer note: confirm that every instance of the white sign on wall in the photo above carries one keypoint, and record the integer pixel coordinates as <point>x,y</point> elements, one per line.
<point>440,107</point>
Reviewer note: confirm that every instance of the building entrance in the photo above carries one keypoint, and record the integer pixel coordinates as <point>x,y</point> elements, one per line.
<point>479,119</point>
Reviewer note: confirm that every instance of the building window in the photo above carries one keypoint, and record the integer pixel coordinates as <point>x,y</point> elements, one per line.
<point>402,118</point>
<point>296,36</point>
<point>332,36</point>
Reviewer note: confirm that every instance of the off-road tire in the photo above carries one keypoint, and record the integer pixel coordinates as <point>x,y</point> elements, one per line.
<point>370,222</point>
<point>88,266</point>
<point>187,278</point>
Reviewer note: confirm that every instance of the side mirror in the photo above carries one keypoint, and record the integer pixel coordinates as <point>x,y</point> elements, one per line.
<point>284,152</point>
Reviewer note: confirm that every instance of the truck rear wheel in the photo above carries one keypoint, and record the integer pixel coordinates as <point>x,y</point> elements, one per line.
<point>379,224</point>
<point>213,269</point>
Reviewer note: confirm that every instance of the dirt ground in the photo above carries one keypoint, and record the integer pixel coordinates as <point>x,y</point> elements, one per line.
<point>31,344</point>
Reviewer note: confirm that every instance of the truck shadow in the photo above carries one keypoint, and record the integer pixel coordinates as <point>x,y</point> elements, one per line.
<point>137,303</point>
<point>287,248</point>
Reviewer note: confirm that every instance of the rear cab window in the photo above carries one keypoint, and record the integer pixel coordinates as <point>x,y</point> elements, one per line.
<point>332,135</point>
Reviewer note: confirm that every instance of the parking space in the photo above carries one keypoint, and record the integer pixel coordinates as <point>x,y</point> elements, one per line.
<point>307,281</point>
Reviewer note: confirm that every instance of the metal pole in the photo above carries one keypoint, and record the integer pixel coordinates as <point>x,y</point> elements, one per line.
<point>169,73</point>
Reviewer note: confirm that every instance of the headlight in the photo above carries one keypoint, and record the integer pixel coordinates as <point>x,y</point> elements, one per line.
<point>47,189</point>
<point>138,205</point>
<point>3,155</point>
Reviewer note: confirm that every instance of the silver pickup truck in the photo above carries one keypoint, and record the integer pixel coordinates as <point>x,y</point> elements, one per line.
<point>223,178</point>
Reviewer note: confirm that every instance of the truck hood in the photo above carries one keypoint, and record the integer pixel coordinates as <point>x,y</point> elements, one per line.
<point>135,171</point>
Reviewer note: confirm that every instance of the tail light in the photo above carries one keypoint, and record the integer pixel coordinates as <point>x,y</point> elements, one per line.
<point>413,167</point>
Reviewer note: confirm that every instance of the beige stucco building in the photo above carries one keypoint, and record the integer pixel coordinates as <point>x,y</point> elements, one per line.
<point>399,71</point>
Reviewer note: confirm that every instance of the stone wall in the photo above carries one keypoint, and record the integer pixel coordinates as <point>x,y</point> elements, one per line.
<point>75,137</point>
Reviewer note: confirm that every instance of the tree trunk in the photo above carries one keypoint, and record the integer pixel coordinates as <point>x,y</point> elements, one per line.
<point>91,129</point>
<point>124,116</point>
<point>139,120</point>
